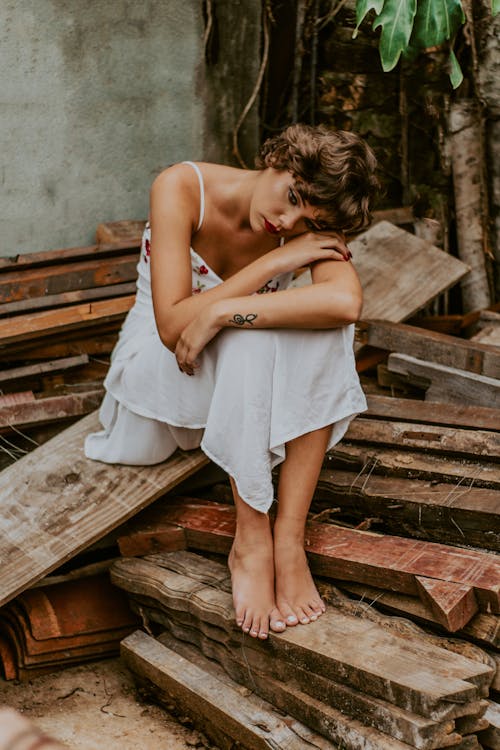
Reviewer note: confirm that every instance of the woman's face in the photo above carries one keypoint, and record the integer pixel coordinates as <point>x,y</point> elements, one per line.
<point>278,209</point>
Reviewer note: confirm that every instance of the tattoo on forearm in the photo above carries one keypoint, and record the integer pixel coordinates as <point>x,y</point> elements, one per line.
<point>240,320</point>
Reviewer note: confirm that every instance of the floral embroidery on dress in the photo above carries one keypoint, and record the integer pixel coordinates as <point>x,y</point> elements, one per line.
<point>200,270</point>
<point>198,288</point>
<point>269,288</point>
<point>147,249</point>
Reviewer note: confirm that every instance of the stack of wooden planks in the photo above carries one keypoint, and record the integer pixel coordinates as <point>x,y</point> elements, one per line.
<point>60,313</point>
<point>347,678</point>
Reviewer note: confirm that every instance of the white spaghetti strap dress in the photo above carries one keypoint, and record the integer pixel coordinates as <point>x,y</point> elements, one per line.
<point>254,391</point>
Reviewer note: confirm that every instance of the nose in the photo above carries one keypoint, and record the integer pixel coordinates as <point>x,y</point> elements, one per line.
<point>289,218</point>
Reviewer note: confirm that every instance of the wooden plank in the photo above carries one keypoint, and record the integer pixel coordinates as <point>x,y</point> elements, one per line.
<point>46,258</point>
<point>36,282</point>
<point>395,462</point>
<point>366,657</point>
<point>451,351</point>
<point>447,384</point>
<point>10,400</point>
<point>491,737</point>
<point>218,707</point>
<point>483,629</point>
<point>309,697</point>
<point>50,409</point>
<point>460,442</point>
<point>453,604</point>
<point>424,509</point>
<point>384,253</point>
<point>385,561</point>
<point>46,348</point>
<point>40,368</point>
<point>56,502</point>
<point>54,322</point>
<point>412,410</point>
<point>67,298</point>
<point>489,335</point>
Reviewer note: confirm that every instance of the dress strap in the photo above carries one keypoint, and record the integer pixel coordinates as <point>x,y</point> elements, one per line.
<point>202,192</point>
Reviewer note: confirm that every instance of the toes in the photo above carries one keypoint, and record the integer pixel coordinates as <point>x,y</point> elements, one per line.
<point>304,618</point>
<point>288,615</point>
<point>247,622</point>
<point>276,621</point>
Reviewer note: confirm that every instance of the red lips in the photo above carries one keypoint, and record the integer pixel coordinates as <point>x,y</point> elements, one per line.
<point>270,227</point>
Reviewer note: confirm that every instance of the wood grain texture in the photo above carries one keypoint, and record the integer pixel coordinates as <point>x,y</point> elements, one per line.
<point>55,502</point>
<point>384,253</point>
<point>433,438</point>
<point>418,678</point>
<point>218,707</point>
<point>412,464</point>
<point>409,409</point>
<point>451,351</point>
<point>426,509</point>
<point>385,561</point>
<point>483,629</point>
<point>447,384</point>
<point>52,322</point>
<point>50,409</point>
<point>454,604</point>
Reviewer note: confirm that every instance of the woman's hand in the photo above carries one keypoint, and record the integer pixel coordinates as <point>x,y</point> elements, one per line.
<point>194,339</point>
<point>311,247</point>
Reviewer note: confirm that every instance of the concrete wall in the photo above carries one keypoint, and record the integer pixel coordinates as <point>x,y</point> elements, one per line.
<point>95,98</point>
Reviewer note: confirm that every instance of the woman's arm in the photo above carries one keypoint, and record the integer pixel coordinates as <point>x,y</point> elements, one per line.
<point>173,221</point>
<point>333,300</point>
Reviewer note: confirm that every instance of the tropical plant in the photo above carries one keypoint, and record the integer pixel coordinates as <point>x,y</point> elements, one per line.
<point>412,26</point>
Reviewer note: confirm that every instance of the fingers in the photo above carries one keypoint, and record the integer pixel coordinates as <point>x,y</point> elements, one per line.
<point>186,359</point>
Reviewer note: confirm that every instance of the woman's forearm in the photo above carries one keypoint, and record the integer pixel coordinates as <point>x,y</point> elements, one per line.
<point>321,305</point>
<point>245,283</point>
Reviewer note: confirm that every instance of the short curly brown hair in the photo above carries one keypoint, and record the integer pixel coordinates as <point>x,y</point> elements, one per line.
<point>333,169</point>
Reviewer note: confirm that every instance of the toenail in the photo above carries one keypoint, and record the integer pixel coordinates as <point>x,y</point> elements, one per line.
<point>254,632</point>
<point>246,630</point>
<point>279,624</point>
<point>291,618</point>
<point>305,620</point>
<point>262,635</point>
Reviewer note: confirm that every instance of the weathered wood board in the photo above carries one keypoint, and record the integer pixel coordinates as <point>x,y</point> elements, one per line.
<point>450,351</point>
<point>384,561</point>
<point>396,462</point>
<point>54,502</point>
<point>50,409</point>
<point>447,384</point>
<point>483,629</point>
<point>217,706</point>
<point>419,678</point>
<point>412,410</point>
<point>433,438</point>
<point>400,273</point>
<point>52,322</point>
<point>428,509</point>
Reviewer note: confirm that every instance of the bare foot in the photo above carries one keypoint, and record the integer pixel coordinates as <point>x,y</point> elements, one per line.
<point>252,575</point>
<point>296,594</point>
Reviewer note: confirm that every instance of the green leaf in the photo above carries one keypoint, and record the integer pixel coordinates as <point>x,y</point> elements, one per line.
<point>456,75</point>
<point>396,20</point>
<point>436,21</point>
<point>495,7</point>
<point>363,7</point>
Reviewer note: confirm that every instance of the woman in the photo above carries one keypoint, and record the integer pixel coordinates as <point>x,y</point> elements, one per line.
<point>256,379</point>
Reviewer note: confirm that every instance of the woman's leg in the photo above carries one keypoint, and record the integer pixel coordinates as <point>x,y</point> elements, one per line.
<point>252,571</point>
<point>296,595</point>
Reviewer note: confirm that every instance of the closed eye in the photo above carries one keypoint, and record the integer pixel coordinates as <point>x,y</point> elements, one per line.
<point>314,226</point>
<point>292,197</point>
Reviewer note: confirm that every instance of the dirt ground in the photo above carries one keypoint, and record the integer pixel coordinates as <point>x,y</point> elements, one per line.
<point>97,706</point>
